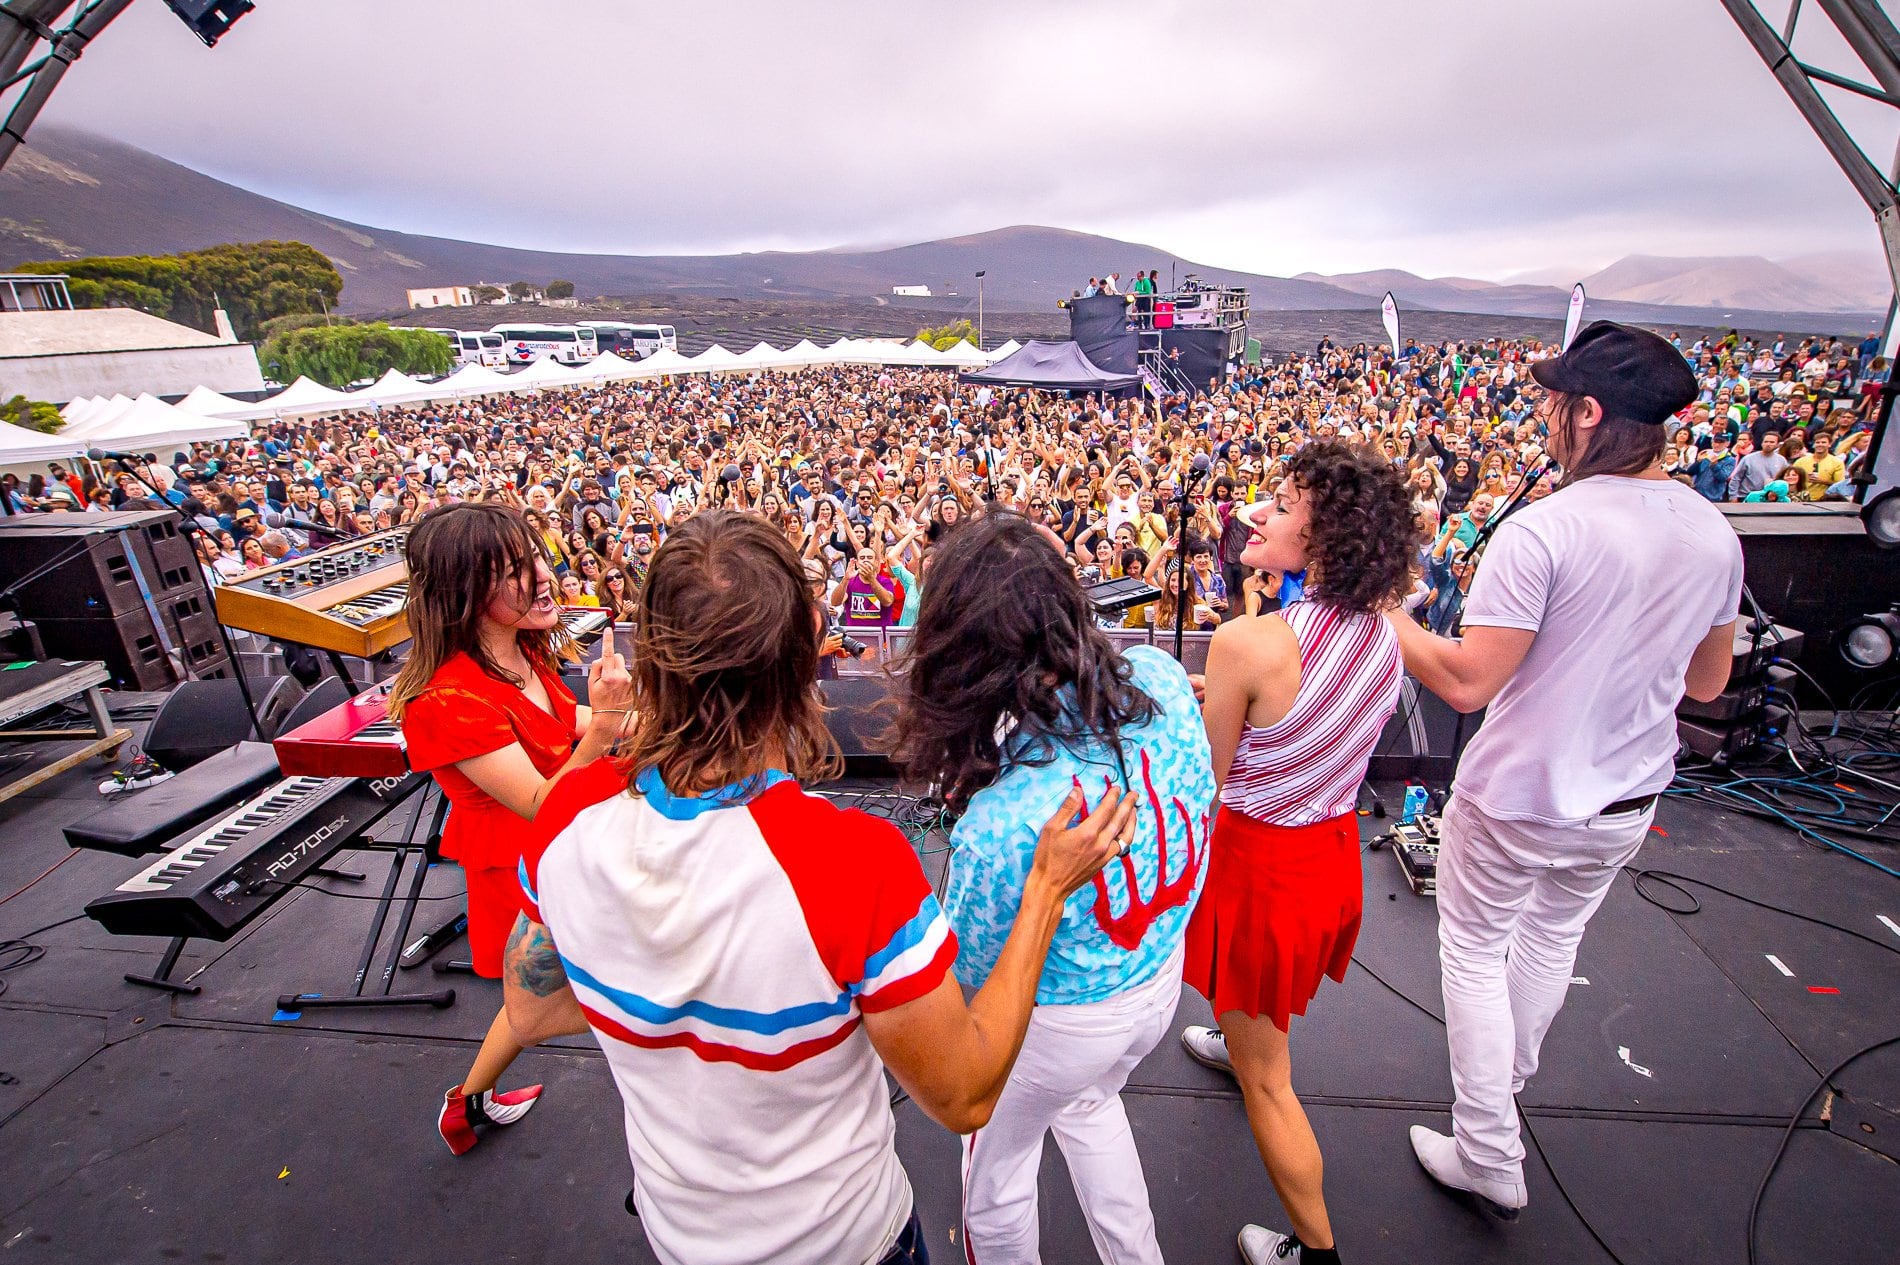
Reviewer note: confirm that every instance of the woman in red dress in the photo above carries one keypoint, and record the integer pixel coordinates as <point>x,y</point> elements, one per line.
<point>482,707</point>
<point>1295,702</point>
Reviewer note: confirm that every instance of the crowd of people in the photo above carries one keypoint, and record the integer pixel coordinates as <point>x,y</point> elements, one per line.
<point>864,468</point>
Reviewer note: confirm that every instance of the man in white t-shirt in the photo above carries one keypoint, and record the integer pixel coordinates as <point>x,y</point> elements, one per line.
<point>1592,613</point>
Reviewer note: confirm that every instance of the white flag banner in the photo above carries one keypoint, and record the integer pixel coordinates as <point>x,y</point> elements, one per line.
<point>1390,310</point>
<point>1574,321</point>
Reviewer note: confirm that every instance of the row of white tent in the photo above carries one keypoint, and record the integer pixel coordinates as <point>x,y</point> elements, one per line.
<point>307,398</point>
<point>147,423</point>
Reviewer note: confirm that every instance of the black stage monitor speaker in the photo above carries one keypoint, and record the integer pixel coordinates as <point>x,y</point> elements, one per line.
<point>858,715</point>
<point>325,694</point>
<point>202,718</point>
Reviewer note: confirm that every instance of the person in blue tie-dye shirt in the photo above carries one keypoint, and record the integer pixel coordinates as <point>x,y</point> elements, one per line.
<point>1013,699</point>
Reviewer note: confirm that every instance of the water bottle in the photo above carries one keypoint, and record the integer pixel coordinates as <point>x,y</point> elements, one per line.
<point>1414,804</point>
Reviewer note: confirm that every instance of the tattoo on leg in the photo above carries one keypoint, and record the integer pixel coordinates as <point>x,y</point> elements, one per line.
<point>533,964</point>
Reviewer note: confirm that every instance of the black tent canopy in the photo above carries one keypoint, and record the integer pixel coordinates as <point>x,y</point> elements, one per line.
<point>1052,367</point>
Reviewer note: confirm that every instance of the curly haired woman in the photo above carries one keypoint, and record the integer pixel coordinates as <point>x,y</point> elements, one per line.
<point>1295,703</point>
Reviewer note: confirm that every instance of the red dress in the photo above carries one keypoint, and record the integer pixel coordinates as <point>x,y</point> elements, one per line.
<point>463,713</point>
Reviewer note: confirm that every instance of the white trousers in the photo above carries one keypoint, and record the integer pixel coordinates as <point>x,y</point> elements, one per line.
<point>1513,899</point>
<point>1068,1079</point>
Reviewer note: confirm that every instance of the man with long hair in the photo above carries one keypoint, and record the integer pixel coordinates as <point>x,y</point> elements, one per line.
<point>1592,612</point>
<point>750,957</point>
<point>1014,700</point>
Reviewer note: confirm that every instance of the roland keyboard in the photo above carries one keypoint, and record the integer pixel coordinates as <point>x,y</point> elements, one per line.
<point>213,882</point>
<point>356,738</point>
<point>351,598</point>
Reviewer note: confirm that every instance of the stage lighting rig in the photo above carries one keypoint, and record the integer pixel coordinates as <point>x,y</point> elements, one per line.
<point>32,72</point>
<point>210,19</point>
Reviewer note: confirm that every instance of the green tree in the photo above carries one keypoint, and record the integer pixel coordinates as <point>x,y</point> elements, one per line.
<point>337,355</point>
<point>254,282</point>
<point>32,414</point>
<point>944,337</point>
<point>559,290</point>
<point>520,291</point>
<point>487,294</point>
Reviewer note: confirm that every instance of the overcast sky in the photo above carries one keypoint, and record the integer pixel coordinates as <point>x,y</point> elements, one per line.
<point>1481,138</point>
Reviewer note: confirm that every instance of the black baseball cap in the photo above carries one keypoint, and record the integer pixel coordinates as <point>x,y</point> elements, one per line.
<point>1634,374</point>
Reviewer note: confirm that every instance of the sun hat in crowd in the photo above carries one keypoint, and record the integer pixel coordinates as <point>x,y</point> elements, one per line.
<point>1632,373</point>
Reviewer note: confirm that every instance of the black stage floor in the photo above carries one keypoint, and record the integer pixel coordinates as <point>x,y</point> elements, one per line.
<point>140,1127</point>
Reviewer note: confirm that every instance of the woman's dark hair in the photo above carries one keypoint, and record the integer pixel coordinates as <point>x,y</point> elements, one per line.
<point>1617,444</point>
<point>725,662</point>
<point>1005,633</point>
<point>458,556</point>
<point>1363,536</point>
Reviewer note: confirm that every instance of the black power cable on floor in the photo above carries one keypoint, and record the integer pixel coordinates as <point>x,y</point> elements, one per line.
<point>19,951</point>
<point>1522,1120</point>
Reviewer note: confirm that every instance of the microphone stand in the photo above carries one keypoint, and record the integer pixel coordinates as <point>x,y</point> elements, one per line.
<point>193,531</point>
<point>1189,481</point>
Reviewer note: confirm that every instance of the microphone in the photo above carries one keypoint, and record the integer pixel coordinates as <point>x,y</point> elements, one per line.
<point>305,525</point>
<point>107,454</point>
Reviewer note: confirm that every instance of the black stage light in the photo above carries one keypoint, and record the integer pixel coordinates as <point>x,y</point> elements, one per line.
<point>1881,517</point>
<point>210,19</point>
<point>1872,641</point>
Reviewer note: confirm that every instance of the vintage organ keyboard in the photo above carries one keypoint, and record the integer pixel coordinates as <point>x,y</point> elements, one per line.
<point>212,882</point>
<point>348,599</point>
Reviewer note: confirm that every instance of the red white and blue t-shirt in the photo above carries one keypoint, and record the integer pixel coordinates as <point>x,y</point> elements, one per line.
<point>724,947</point>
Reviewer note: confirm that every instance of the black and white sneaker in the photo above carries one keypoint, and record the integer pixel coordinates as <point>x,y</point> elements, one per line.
<point>136,776</point>
<point>1262,1246</point>
<point>1208,1047</point>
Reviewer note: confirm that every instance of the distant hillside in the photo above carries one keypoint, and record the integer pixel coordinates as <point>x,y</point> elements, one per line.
<point>71,194</point>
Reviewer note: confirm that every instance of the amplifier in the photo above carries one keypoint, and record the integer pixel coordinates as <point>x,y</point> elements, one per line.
<point>99,561</point>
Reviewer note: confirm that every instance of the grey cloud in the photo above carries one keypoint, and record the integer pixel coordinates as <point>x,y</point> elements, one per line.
<point>609,126</point>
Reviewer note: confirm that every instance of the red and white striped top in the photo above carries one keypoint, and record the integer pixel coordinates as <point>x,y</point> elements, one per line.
<point>1308,766</point>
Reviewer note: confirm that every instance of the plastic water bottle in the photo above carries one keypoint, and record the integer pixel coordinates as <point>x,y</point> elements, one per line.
<point>1414,804</point>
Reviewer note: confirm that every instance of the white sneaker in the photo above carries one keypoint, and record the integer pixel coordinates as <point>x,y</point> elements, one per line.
<point>1262,1246</point>
<point>1208,1047</point>
<point>1439,1156</point>
<point>141,773</point>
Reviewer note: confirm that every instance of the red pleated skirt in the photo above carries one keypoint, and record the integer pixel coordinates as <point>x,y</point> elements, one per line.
<point>1279,911</point>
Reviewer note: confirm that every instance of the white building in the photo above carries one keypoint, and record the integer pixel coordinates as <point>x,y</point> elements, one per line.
<point>441,296</point>
<point>59,356</point>
<point>912,292</point>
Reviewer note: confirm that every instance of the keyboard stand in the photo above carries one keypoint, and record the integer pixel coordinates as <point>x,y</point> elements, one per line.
<point>161,978</point>
<point>402,854</point>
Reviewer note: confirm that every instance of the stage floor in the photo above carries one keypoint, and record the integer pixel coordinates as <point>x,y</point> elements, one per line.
<point>135,1126</point>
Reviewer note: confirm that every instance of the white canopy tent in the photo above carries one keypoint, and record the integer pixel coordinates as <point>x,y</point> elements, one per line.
<point>664,361</point>
<point>715,359</point>
<point>546,372</point>
<point>964,356</point>
<point>1009,348</point>
<point>208,403</point>
<point>800,354</point>
<point>149,424</point>
<point>472,380</point>
<point>302,396</point>
<point>761,355</point>
<point>393,387</point>
<point>607,367</point>
<point>20,447</point>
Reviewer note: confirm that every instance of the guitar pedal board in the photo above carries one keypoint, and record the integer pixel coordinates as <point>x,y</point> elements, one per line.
<point>1414,845</point>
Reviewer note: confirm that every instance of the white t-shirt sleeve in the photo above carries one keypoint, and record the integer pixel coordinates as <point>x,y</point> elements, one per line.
<point>1512,587</point>
<point>1732,592</point>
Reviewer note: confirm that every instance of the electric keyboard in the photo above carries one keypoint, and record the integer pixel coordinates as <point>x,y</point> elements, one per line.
<point>212,883</point>
<point>355,738</point>
<point>350,598</point>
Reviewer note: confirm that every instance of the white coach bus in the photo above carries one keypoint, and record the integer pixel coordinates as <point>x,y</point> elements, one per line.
<point>475,348</point>
<point>569,344</point>
<point>632,342</point>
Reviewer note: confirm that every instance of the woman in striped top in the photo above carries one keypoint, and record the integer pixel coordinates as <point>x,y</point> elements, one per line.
<point>1295,703</point>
